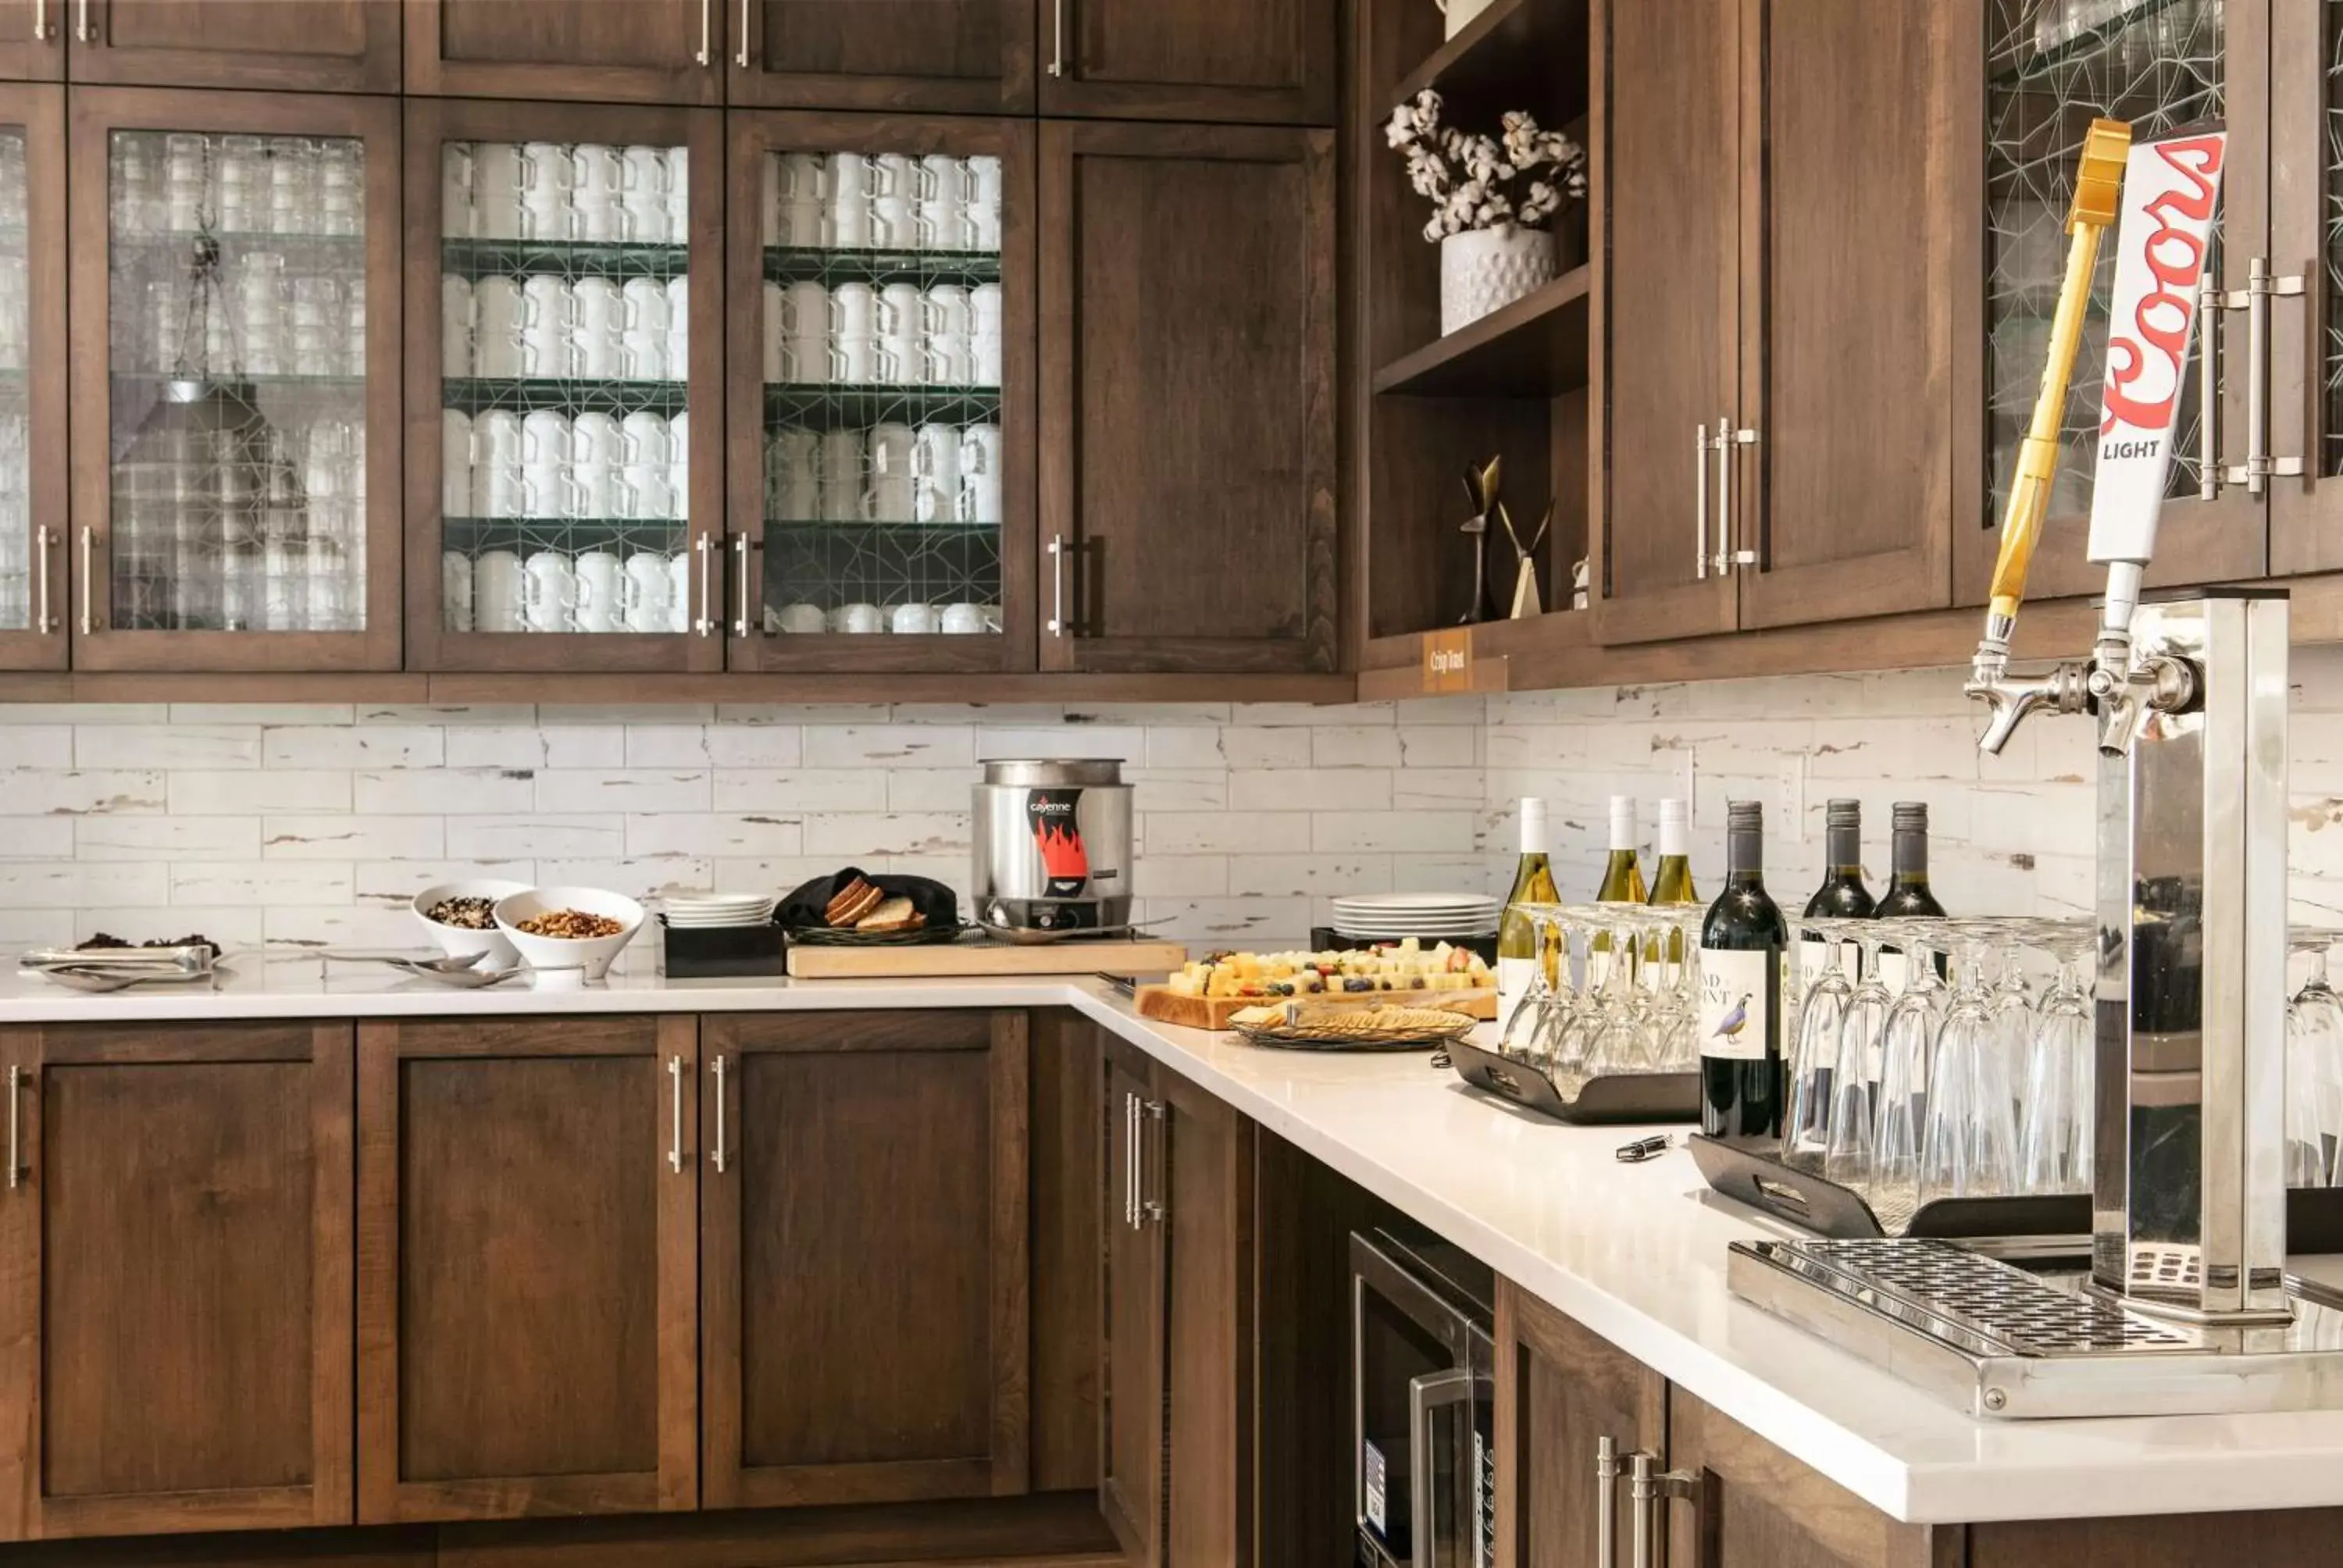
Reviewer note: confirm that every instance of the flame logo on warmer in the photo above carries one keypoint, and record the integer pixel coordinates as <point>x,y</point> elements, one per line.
<point>1065,860</point>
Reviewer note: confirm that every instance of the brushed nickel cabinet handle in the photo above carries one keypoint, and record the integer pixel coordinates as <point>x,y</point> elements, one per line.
<point>743,55</point>
<point>45,623</point>
<point>1057,584</point>
<point>1057,37</point>
<point>16,1127</point>
<point>2210,302</point>
<point>1153,1210</point>
<point>706,623</point>
<point>704,56</point>
<point>88,576</point>
<point>41,34</point>
<point>82,28</point>
<point>1700,444</point>
<point>1130,1159</point>
<point>1649,1491</point>
<point>717,1156</point>
<point>1741,555</point>
<point>675,1085</point>
<point>740,621</point>
<point>1606,1502</point>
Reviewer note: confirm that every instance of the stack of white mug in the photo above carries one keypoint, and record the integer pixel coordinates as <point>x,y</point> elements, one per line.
<point>236,184</point>
<point>886,201</point>
<point>563,192</point>
<point>546,325</point>
<point>894,474</point>
<point>552,591</point>
<point>903,619</point>
<point>595,466</point>
<point>894,334</point>
<point>16,538</point>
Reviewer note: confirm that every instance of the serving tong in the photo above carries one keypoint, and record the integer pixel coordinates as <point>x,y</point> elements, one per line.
<point>118,968</point>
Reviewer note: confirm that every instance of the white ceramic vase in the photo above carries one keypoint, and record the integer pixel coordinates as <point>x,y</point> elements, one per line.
<point>1487,267</point>
<point>1460,12</point>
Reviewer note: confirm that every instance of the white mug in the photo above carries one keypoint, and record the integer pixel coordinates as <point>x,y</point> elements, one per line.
<point>798,619</point>
<point>984,203</point>
<point>859,619</point>
<point>596,449</point>
<point>545,308</point>
<point>776,334</point>
<point>804,350</point>
<point>841,476</point>
<point>900,308</point>
<point>600,175</point>
<point>499,175</point>
<point>601,591</point>
<point>894,202</point>
<point>792,475</point>
<point>549,176</point>
<point>890,496</point>
<point>455,463</point>
<point>456,176</point>
<point>678,195</point>
<point>679,328</point>
<point>965,621</point>
<point>679,595</point>
<point>943,203</point>
<point>456,590</point>
<point>644,340</point>
<point>853,358</point>
<point>643,437</point>
<point>549,601</point>
<point>496,485</point>
<point>947,321</point>
<point>850,201</point>
<point>545,464</point>
<point>678,465</point>
<point>497,591</point>
<point>799,198</point>
<point>642,195</point>
<point>648,590</point>
<point>936,495</point>
<point>980,473</point>
<point>597,322</point>
<point>456,327</point>
<point>913,620</point>
<point>984,306</point>
<point>495,327</point>
<point>643,492</point>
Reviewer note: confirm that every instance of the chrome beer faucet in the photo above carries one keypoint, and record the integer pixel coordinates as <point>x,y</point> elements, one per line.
<point>2189,695</point>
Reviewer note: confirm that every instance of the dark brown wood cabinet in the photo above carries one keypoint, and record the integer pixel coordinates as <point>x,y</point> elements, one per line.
<point>1187,410</point>
<point>292,45</point>
<point>1264,60</point>
<point>176,1333</point>
<point>1559,1390</point>
<point>864,1246</point>
<point>942,57</point>
<point>602,51</point>
<point>527,1294</point>
<point>34,629</point>
<point>32,42</point>
<point>1176,1370</point>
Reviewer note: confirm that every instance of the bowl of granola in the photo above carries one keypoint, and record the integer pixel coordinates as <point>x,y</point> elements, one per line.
<point>461,917</point>
<point>569,928</point>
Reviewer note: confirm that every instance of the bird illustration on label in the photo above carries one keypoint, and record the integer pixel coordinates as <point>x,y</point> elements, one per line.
<point>1730,1026</point>
<point>1050,813</point>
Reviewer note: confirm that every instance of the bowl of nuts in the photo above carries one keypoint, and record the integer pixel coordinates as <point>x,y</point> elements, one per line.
<point>569,928</point>
<point>462,919</point>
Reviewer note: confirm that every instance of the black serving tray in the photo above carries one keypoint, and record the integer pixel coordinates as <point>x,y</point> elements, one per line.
<point>726,952</point>
<point>1623,1098</point>
<point>1755,1173</point>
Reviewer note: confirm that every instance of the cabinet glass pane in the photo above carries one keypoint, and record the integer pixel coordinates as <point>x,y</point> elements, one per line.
<point>565,423</point>
<point>16,329</point>
<point>236,292</point>
<point>2330,456</point>
<point>883,394</point>
<point>2052,67</point>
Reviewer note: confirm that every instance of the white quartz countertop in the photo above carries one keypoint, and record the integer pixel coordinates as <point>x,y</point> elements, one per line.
<point>1635,1253</point>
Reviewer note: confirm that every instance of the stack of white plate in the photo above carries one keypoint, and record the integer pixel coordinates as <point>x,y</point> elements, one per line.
<point>698,909</point>
<point>1433,917</point>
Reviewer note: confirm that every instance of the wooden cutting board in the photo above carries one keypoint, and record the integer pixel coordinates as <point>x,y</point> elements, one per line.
<point>1162,1003</point>
<point>961,960</point>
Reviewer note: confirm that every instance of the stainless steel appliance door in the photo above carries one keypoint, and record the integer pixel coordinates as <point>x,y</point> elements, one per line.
<point>1418,1381</point>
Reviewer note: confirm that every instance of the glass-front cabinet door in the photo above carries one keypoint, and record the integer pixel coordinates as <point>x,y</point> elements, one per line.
<point>881,381</point>
<point>564,345</point>
<point>236,438</point>
<point>2307,235</point>
<point>32,538</point>
<point>2051,66</point>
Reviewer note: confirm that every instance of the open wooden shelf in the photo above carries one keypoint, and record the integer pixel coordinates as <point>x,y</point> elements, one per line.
<point>1517,55</point>
<point>1534,347</point>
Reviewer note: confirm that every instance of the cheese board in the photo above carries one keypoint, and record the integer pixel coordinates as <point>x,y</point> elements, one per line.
<point>1164,1005</point>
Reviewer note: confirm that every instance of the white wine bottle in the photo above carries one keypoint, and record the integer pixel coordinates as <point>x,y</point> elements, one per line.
<point>1672,878</point>
<point>1623,883</point>
<point>1519,949</point>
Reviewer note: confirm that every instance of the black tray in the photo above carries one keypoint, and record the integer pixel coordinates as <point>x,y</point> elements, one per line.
<point>724,952</point>
<point>1623,1098</point>
<point>1755,1174</point>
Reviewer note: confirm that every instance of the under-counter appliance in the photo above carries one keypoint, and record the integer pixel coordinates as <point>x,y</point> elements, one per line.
<point>1422,1398</point>
<point>1051,845</point>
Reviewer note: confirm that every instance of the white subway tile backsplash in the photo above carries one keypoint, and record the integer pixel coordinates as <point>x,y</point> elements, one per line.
<point>713,834</point>
<point>83,884</point>
<point>348,746</point>
<point>203,793</point>
<point>926,789</point>
<point>755,744</point>
<point>852,833</point>
<point>448,792</point>
<point>167,746</point>
<point>168,838</point>
<point>1222,832</point>
<point>1185,746</point>
<point>801,790</point>
<point>36,745</point>
<point>633,790</point>
<point>37,791</point>
<point>891,746</point>
<point>53,838</point>
<point>534,837</point>
<point>1246,745</point>
<point>1122,743</point>
<point>1318,789</point>
<point>1355,746</point>
<point>1419,831</point>
<point>350,838</point>
<point>268,884</point>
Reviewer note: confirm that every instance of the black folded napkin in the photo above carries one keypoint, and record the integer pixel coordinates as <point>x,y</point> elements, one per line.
<point>805,904</point>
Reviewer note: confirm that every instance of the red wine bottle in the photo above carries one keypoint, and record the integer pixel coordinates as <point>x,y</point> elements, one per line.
<point>1741,942</point>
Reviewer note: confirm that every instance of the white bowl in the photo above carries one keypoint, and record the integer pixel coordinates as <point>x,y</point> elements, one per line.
<point>455,940</point>
<point>592,954</point>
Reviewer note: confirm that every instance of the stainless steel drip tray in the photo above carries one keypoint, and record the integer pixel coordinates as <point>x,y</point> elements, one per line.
<point>1996,1341</point>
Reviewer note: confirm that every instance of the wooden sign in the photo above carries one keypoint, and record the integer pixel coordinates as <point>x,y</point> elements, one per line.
<point>1448,660</point>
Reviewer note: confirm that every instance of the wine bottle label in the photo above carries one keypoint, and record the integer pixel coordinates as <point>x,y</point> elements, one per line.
<point>1736,1017</point>
<point>1513,977</point>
